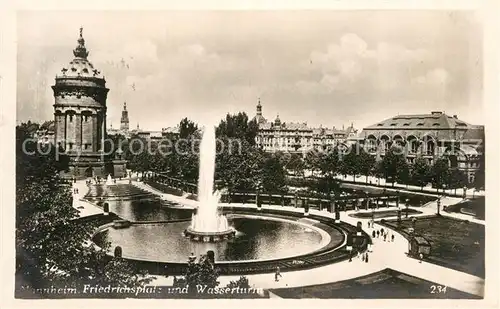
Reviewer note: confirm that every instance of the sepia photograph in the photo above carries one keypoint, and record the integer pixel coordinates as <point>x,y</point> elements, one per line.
<point>250,154</point>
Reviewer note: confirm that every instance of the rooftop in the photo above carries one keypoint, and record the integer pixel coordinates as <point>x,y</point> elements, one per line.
<point>434,120</point>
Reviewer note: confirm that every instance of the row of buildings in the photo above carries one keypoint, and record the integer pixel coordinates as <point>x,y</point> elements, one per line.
<point>430,136</point>
<point>125,130</point>
<point>284,136</point>
<point>80,128</point>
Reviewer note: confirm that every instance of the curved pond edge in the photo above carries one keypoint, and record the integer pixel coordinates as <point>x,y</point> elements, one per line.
<point>305,261</point>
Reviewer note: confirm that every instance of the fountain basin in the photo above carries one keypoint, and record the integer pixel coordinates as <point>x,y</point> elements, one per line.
<point>209,236</point>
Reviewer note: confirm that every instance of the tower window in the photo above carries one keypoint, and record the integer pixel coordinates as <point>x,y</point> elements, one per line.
<point>86,117</point>
<point>70,146</point>
<point>71,118</point>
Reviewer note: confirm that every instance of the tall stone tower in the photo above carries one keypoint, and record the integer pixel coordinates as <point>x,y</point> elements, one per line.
<point>258,117</point>
<point>124,123</point>
<point>80,117</point>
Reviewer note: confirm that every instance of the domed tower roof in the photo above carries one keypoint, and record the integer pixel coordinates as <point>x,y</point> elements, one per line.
<point>80,66</point>
<point>80,78</point>
<point>277,121</point>
<point>258,117</point>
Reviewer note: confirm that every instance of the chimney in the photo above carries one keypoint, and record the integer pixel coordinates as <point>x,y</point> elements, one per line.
<point>436,113</point>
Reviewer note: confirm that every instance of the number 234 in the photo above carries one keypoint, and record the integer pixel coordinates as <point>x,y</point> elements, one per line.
<point>436,289</point>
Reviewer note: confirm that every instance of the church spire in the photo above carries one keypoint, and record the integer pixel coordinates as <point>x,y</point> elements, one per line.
<point>81,51</point>
<point>124,122</point>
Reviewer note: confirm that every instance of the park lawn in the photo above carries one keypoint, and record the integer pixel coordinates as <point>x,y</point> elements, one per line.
<point>387,283</point>
<point>456,244</point>
<point>385,213</point>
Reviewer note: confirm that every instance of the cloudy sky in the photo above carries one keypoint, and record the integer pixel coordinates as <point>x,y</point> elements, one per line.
<point>323,67</point>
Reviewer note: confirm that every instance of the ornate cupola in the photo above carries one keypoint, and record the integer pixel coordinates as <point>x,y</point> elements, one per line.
<point>277,121</point>
<point>80,95</point>
<point>259,109</point>
<point>258,117</point>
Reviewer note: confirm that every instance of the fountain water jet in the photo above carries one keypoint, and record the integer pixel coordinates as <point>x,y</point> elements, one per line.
<point>208,223</point>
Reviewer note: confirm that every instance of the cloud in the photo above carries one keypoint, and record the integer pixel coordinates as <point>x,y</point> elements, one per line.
<point>386,69</point>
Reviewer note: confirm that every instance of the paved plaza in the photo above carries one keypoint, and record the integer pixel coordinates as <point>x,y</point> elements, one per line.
<point>384,254</point>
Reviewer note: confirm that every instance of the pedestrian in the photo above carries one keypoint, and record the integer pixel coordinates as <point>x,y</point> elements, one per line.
<point>368,224</point>
<point>378,234</point>
<point>373,234</point>
<point>382,231</point>
<point>385,236</point>
<point>421,256</point>
<point>277,274</point>
<point>392,237</point>
<point>366,258</point>
<point>363,257</point>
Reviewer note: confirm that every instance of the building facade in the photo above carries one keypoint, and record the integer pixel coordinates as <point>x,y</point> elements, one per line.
<point>298,137</point>
<point>80,95</point>
<point>430,136</point>
<point>124,130</point>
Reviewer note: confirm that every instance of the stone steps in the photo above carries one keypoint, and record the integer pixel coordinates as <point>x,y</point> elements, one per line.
<point>116,190</point>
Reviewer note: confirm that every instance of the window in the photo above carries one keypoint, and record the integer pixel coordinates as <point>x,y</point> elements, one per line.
<point>70,146</point>
<point>380,124</point>
<point>71,118</point>
<point>430,148</point>
<point>73,69</point>
<point>86,146</point>
<point>393,124</point>
<point>435,124</point>
<point>86,117</point>
<point>85,70</point>
<point>406,124</point>
<point>420,124</point>
<point>414,146</point>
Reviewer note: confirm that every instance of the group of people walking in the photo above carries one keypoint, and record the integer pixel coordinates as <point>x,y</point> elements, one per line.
<point>383,234</point>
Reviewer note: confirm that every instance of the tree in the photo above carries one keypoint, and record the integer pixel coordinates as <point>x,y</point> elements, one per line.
<point>187,128</point>
<point>440,173</point>
<point>238,126</point>
<point>420,175</point>
<point>479,176</point>
<point>312,160</point>
<point>203,272</point>
<point>403,175</point>
<point>51,246</point>
<point>296,164</point>
<point>457,179</point>
<point>329,165</point>
<point>239,170</point>
<point>366,163</point>
<point>273,174</point>
<point>351,162</point>
<point>392,164</point>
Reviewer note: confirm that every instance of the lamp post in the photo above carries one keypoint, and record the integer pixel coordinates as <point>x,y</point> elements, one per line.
<point>407,201</point>
<point>257,195</point>
<point>349,244</point>
<point>438,206</point>
<point>373,214</point>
